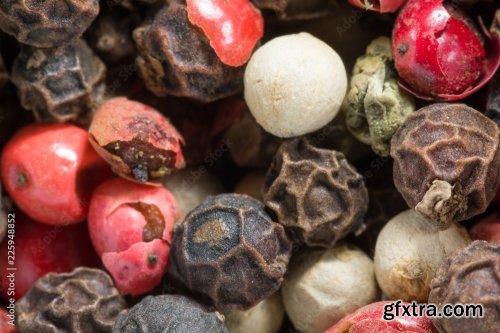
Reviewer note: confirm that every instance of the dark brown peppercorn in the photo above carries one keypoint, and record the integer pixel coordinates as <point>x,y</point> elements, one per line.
<point>297,9</point>
<point>315,193</point>
<point>47,23</point>
<point>169,314</point>
<point>493,104</point>
<point>59,84</point>
<point>231,251</point>
<point>175,58</point>
<point>447,162</point>
<point>470,276</point>
<point>82,301</point>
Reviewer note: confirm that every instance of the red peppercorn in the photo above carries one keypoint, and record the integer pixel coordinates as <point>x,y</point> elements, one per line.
<point>41,249</point>
<point>50,171</point>
<point>6,322</point>
<point>370,318</point>
<point>439,53</point>
<point>131,228</point>
<point>138,141</point>
<point>381,6</point>
<point>233,27</point>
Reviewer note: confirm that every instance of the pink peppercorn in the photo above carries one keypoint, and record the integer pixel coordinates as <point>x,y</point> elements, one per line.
<point>50,171</point>
<point>131,228</point>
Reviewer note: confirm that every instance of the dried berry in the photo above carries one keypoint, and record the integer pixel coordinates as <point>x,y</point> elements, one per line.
<point>375,106</point>
<point>50,171</point>
<point>409,249</point>
<point>175,58</point>
<point>289,100</point>
<point>265,317</point>
<point>131,227</point>
<point>60,84</point>
<point>47,24</point>
<point>169,314</point>
<point>382,6</point>
<point>314,290</point>
<point>487,229</point>
<point>447,162</point>
<point>298,9</point>
<point>470,276</point>
<point>249,144</point>
<point>439,53</point>
<point>41,249</point>
<point>315,193</point>
<point>231,251</point>
<point>82,301</point>
<point>373,318</point>
<point>137,141</point>
<point>233,27</point>
<point>111,37</point>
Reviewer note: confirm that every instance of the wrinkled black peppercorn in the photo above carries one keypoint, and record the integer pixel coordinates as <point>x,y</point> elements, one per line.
<point>169,314</point>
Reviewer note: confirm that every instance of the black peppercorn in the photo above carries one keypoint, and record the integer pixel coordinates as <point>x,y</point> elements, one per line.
<point>47,23</point>
<point>175,58</point>
<point>61,83</point>
<point>447,162</point>
<point>169,314</point>
<point>231,251</point>
<point>82,301</point>
<point>315,193</point>
<point>470,276</point>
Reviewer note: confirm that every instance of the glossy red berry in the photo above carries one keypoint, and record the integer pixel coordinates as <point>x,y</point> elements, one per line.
<point>137,141</point>
<point>41,249</point>
<point>370,318</point>
<point>233,27</point>
<point>381,6</point>
<point>438,52</point>
<point>50,171</point>
<point>131,228</point>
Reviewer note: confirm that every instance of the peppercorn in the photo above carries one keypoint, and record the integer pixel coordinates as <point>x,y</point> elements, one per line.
<point>82,301</point>
<point>249,144</point>
<point>294,85</point>
<point>447,162</point>
<point>493,103</point>
<point>41,249</point>
<point>373,318</point>
<point>131,228</point>
<point>170,314</point>
<point>408,252</point>
<point>469,276</point>
<point>6,322</point>
<point>50,171</point>
<point>48,24</point>
<point>298,9</point>
<point>230,250</point>
<point>59,84</point>
<point>111,37</point>
<point>488,229</point>
<point>322,286</point>
<point>315,193</point>
<point>191,187</point>
<point>375,107</point>
<point>266,317</point>
<point>175,58</point>
<point>137,141</point>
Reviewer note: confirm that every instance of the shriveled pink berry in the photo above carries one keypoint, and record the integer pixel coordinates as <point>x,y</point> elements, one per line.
<point>381,6</point>
<point>50,171</point>
<point>487,229</point>
<point>439,53</point>
<point>137,141</point>
<point>131,228</point>
<point>370,318</point>
<point>232,27</point>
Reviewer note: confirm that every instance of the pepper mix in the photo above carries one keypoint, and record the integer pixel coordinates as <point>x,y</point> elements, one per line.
<point>271,166</point>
